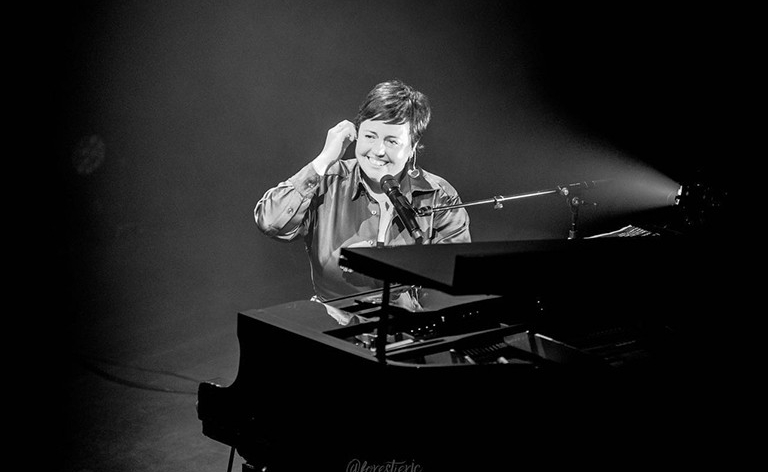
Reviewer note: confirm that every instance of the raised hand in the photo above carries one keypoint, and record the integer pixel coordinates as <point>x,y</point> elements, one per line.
<point>336,142</point>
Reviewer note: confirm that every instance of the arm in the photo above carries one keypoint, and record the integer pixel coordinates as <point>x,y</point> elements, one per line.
<point>452,226</point>
<point>283,211</point>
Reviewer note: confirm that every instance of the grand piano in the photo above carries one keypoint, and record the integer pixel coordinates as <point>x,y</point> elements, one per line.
<point>477,355</point>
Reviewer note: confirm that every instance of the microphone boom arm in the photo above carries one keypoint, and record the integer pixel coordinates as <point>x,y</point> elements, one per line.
<point>498,201</point>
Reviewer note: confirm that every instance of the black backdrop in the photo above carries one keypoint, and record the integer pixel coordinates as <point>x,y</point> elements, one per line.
<point>165,122</point>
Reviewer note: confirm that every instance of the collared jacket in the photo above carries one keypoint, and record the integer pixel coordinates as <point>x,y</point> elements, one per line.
<point>335,210</point>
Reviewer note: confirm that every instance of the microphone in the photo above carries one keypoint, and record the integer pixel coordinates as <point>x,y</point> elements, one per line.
<point>403,208</point>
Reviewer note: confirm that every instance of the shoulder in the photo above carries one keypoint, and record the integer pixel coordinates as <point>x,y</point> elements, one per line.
<point>438,183</point>
<point>342,168</point>
<point>340,177</point>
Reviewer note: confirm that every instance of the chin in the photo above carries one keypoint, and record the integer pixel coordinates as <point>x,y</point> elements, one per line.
<point>375,173</point>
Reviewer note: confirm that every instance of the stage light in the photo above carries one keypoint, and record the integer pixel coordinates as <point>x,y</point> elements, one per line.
<point>677,196</point>
<point>655,190</point>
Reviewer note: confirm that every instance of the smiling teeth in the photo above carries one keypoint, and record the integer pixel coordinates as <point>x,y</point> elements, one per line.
<point>377,162</point>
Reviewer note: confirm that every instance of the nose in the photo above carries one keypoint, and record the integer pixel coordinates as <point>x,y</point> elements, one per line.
<point>378,148</point>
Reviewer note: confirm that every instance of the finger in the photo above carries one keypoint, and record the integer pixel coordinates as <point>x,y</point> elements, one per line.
<point>351,131</point>
<point>346,129</point>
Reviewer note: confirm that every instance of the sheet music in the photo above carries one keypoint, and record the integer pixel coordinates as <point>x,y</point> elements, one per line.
<point>627,231</point>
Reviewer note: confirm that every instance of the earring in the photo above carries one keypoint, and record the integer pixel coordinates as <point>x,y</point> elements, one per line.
<point>414,171</point>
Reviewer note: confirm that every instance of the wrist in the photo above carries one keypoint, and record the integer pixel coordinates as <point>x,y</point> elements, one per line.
<point>321,164</point>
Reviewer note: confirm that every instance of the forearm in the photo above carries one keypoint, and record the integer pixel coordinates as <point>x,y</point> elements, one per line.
<point>452,228</point>
<point>282,211</point>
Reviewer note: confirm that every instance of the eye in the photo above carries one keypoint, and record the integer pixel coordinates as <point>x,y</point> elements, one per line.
<point>393,142</point>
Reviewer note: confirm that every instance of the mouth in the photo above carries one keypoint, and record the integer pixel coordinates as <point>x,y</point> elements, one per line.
<point>375,162</point>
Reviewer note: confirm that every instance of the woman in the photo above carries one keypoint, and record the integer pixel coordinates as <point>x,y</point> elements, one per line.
<point>334,203</point>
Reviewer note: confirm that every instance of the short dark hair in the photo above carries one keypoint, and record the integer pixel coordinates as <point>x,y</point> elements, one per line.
<point>396,103</point>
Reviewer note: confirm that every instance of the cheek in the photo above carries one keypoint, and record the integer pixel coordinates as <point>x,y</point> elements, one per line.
<point>397,166</point>
<point>401,157</point>
<point>361,148</point>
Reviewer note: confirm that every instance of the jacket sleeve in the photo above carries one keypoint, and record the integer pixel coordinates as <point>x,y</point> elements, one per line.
<point>283,212</point>
<point>451,226</point>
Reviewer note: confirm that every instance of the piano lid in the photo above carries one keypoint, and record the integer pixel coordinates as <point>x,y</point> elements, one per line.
<point>497,267</point>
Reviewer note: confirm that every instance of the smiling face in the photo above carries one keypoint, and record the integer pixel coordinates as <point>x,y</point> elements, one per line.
<point>382,149</point>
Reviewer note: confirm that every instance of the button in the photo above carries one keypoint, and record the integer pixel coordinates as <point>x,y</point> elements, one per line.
<point>290,211</point>
<point>374,212</point>
<point>372,243</point>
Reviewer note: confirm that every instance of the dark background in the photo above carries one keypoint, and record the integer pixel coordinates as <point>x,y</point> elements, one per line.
<point>159,125</point>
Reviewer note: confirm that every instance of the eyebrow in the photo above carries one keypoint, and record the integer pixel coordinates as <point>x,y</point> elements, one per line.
<point>366,130</point>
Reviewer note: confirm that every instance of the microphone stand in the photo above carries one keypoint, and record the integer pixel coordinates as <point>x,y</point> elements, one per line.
<point>571,192</point>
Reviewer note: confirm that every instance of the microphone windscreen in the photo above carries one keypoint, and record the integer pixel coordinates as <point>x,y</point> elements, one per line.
<point>388,183</point>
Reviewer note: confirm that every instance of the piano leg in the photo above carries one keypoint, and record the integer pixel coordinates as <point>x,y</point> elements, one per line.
<point>381,330</point>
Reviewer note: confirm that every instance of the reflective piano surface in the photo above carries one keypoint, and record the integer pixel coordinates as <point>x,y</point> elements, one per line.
<point>569,344</point>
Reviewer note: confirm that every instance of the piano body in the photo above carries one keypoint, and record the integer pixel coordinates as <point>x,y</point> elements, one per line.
<point>477,354</point>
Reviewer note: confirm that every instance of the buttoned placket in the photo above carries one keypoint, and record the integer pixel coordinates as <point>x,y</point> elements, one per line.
<point>382,210</point>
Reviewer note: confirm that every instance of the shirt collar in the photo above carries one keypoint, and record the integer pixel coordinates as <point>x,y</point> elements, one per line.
<point>408,184</point>
<point>357,182</point>
<point>419,184</point>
